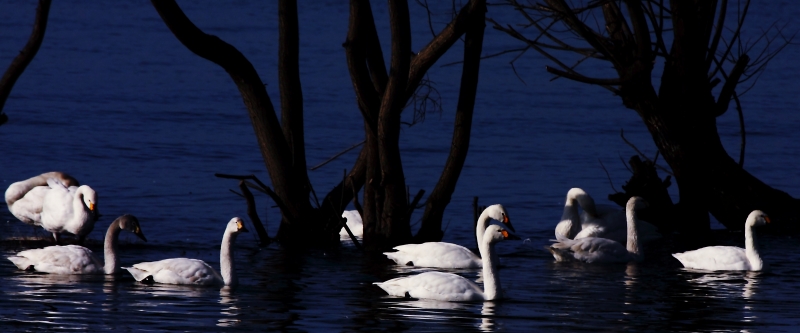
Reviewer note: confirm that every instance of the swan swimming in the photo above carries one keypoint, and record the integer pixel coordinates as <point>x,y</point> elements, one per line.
<point>449,255</point>
<point>75,259</point>
<point>451,287</point>
<point>604,250</point>
<point>729,258</point>
<point>600,221</point>
<point>194,271</point>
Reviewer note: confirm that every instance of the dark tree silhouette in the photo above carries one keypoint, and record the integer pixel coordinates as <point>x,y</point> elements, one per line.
<point>700,46</point>
<point>380,96</point>
<point>25,56</point>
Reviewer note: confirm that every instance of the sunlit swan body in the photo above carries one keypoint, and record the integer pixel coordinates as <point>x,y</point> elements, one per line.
<point>452,287</point>
<point>600,221</point>
<point>74,259</point>
<point>68,209</point>
<point>354,223</point>
<point>448,255</point>
<point>194,271</point>
<point>603,250</point>
<point>25,198</point>
<point>729,258</point>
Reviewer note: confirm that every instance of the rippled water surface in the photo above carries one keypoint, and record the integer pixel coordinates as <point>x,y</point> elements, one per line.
<point>113,99</point>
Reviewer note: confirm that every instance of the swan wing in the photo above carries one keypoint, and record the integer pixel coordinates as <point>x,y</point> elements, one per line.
<point>29,208</point>
<point>68,259</point>
<point>715,258</point>
<point>176,271</point>
<point>434,285</point>
<point>435,254</point>
<point>591,250</point>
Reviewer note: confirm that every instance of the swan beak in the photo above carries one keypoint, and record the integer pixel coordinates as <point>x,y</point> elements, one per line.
<point>240,227</point>
<point>138,232</point>
<point>91,206</point>
<point>766,218</point>
<point>507,222</point>
<point>508,235</point>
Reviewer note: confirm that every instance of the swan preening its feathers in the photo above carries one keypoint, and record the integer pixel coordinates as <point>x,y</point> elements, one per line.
<point>194,271</point>
<point>74,259</point>
<point>448,255</point>
<point>604,250</point>
<point>729,258</point>
<point>452,287</point>
<point>600,221</point>
<point>54,201</point>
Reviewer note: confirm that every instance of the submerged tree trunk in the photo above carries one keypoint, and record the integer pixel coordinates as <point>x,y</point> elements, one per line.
<point>681,116</point>
<point>25,56</point>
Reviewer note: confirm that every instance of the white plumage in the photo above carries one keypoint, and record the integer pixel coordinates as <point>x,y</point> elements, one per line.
<point>68,209</point>
<point>600,221</point>
<point>194,271</point>
<point>354,223</point>
<point>448,255</point>
<point>603,250</point>
<point>74,259</point>
<point>451,287</point>
<point>729,258</point>
<point>25,198</point>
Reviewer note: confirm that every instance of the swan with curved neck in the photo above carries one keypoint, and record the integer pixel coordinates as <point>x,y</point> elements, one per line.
<point>194,271</point>
<point>25,198</point>
<point>449,255</point>
<point>604,250</point>
<point>452,287</point>
<point>729,258</point>
<point>601,221</point>
<point>69,209</point>
<point>74,259</point>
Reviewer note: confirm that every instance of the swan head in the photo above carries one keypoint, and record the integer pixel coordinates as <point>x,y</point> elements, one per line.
<point>495,233</point>
<point>583,199</point>
<point>497,212</point>
<point>235,226</point>
<point>636,203</point>
<point>130,223</point>
<point>757,218</point>
<point>89,197</point>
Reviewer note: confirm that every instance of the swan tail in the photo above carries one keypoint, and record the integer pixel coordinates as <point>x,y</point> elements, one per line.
<point>396,257</point>
<point>138,274</point>
<point>560,254</point>
<point>560,238</point>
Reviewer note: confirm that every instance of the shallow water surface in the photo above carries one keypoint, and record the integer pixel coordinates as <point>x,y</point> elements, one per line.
<point>116,101</point>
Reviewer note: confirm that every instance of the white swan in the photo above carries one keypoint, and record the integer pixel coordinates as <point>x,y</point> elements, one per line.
<point>354,223</point>
<point>69,209</point>
<point>452,287</point>
<point>604,250</point>
<point>194,271</point>
<point>448,255</point>
<point>25,198</point>
<point>729,258</point>
<point>601,221</point>
<point>74,259</point>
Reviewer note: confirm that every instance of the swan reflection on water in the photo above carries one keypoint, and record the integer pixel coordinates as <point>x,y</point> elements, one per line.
<point>433,310</point>
<point>229,310</point>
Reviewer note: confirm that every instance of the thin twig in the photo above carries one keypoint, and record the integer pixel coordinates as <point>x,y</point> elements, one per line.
<point>337,155</point>
<point>607,175</point>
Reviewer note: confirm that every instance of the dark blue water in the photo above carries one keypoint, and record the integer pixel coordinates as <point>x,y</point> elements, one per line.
<point>115,100</point>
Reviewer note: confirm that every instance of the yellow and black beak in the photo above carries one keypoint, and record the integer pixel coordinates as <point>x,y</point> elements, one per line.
<point>138,232</point>
<point>240,227</point>
<point>508,235</point>
<point>507,222</point>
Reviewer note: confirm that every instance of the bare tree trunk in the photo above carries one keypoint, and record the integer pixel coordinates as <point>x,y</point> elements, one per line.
<point>431,228</point>
<point>25,56</point>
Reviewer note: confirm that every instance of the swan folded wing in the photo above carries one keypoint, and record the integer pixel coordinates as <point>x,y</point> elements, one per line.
<point>68,259</point>
<point>592,250</point>
<point>354,222</point>
<point>434,285</point>
<point>715,258</point>
<point>435,254</point>
<point>29,208</point>
<point>177,271</point>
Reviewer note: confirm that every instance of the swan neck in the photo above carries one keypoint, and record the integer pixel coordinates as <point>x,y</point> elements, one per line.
<point>226,260</point>
<point>633,235</point>
<point>480,227</point>
<point>110,248</point>
<point>751,249</point>
<point>491,282</point>
<point>570,220</point>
